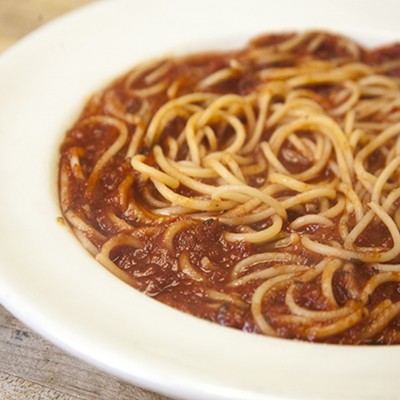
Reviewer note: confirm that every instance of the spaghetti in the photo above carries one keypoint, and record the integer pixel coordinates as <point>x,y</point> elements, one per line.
<point>256,188</point>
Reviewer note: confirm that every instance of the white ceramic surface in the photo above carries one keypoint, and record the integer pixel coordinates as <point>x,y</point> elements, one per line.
<point>48,280</point>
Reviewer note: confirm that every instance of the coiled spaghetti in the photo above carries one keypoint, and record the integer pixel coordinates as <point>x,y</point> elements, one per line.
<point>256,188</point>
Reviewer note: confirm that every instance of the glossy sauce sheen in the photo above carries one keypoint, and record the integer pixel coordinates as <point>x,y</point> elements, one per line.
<point>154,267</point>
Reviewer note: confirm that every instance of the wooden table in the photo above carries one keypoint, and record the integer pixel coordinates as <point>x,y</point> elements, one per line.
<point>30,367</point>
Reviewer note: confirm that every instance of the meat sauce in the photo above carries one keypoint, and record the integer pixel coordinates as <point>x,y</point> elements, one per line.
<point>154,267</point>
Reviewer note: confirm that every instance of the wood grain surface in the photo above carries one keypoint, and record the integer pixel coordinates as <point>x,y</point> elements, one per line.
<point>31,368</point>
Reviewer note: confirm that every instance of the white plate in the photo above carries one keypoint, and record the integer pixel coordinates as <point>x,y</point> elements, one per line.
<point>48,280</point>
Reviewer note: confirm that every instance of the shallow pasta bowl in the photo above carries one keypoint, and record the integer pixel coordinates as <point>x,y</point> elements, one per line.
<point>48,280</point>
